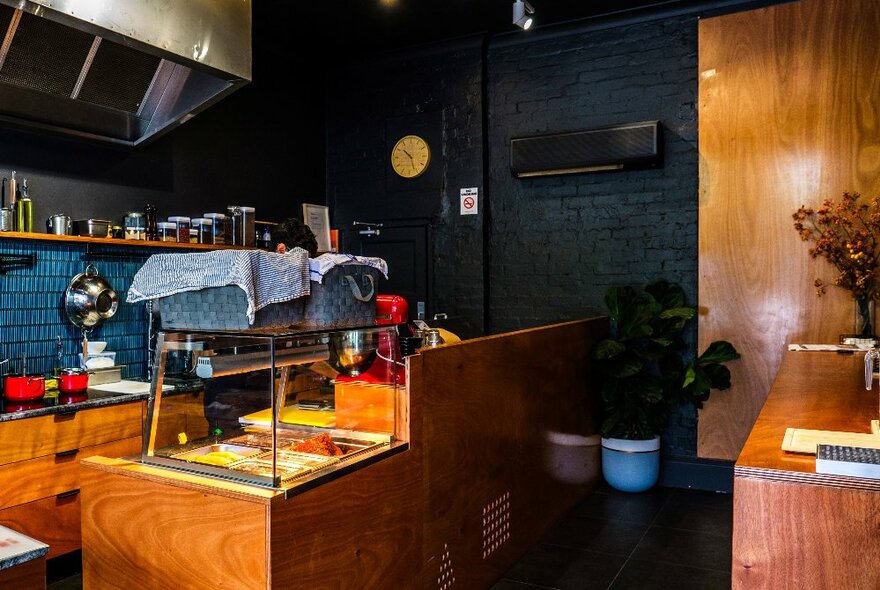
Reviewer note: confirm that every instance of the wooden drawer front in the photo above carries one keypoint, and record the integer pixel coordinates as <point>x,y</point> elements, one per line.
<point>26,481</point>
<point>53,520</point>
<point>47,435</point>
<point>30,575</point>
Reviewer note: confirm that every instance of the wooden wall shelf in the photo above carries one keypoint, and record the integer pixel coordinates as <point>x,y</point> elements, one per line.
<point>115,242</point>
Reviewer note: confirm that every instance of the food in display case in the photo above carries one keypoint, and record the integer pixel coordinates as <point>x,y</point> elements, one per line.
<point>265,414</point>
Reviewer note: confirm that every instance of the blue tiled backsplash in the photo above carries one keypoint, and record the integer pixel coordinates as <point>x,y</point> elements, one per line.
<point>31,307</point>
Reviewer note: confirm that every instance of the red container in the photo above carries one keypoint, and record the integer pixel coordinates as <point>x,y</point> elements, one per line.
<point>391,309</point>
<point>73,380</point>
<point>24,387</point>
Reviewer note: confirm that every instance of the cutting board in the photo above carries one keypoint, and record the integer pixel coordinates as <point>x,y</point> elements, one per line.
<point>801,440</point>
<point>291,415</point>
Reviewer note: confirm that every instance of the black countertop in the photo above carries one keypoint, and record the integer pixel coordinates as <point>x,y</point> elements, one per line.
<point>64,404</point>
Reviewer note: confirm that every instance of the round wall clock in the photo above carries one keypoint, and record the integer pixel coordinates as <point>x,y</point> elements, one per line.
<point>410,156</point>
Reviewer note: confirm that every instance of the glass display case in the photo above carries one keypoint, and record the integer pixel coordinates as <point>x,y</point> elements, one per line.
<point>285,410</point>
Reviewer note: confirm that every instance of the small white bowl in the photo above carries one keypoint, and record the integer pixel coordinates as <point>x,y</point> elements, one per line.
<point>96,346</point>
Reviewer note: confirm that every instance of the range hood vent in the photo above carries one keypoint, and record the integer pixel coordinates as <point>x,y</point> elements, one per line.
<point>119,71</point>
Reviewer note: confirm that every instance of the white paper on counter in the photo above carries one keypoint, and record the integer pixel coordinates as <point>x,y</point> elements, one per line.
<point>128,386</point>
<point>827,347</point>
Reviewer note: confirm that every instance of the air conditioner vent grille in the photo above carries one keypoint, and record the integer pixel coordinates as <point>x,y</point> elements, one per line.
<point>608,148</point>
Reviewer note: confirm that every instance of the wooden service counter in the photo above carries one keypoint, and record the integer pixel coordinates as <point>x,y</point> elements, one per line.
<point>792,527</point>
<point>502,441</point>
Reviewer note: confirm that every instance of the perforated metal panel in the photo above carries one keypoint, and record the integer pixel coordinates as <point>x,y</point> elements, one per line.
<point>45,56</point>
<point>608,148</point>
<point>119,77</point>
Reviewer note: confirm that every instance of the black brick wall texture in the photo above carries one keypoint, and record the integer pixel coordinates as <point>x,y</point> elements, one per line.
<point>363,100</point>
<point>555,244</point>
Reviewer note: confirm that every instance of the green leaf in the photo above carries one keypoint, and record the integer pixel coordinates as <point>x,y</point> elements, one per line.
<point>718,376</point>
<point>669,295</point>
<point>627,368</point>
<point>678,312</point>
<point>607,349</point>
<point>689,376</point>
<point>719,351</point>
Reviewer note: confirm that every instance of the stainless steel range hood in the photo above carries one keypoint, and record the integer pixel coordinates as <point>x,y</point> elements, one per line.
<point>119,71</point>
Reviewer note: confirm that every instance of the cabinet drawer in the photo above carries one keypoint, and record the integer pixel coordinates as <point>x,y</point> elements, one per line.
<point>53,520</point>
<point>26,481</point>
<point>53,433</point>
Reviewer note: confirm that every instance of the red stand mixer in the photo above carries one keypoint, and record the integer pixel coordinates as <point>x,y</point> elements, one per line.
<point>390,310</point>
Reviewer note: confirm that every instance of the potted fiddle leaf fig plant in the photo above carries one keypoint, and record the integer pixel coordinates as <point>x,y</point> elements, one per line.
<point>644,374</point>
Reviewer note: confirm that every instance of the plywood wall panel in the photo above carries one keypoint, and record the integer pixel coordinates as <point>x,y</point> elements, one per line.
<point>789,110</point>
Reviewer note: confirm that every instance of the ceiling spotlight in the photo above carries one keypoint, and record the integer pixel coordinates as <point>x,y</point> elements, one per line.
<point>522,14</point>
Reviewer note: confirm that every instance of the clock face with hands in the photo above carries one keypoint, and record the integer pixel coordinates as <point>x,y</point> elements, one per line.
<point>410,156</point>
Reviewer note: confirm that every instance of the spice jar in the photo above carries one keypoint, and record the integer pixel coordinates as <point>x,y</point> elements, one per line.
<point>193,236</point>
<point>182,228</point>
<point>134,225</point>
<point>219,221</point>
<point>204,229</point>
<point>167,231</point>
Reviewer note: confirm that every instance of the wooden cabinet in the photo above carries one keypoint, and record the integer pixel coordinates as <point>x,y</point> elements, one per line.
<point>793,527</point>
<point>503,440</point>
<point>39,470</point>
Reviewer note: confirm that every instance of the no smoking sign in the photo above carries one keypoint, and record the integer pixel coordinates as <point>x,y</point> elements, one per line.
<point>469,202</point>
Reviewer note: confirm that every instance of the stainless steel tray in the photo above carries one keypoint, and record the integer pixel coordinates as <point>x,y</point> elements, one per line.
<point>263,468</point>
<point>195,455</point>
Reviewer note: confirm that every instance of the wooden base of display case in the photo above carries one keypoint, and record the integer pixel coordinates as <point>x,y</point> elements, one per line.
<point>503,440</point>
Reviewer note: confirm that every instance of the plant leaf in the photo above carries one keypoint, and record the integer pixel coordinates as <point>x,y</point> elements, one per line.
<point>719,351</point>
<point>607,349</point>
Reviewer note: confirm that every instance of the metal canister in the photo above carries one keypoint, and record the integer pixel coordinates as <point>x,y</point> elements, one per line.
<point>58,224</point>
<point>6,216</point>
<point>432,337</point>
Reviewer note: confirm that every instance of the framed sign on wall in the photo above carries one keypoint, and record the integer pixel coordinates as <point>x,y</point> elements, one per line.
<point>317,217</point>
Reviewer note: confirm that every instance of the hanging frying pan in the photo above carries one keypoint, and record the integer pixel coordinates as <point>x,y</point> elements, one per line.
<point>89,299</point>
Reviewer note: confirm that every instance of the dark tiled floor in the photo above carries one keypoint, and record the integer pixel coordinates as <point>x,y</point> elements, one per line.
<point>664,538</point>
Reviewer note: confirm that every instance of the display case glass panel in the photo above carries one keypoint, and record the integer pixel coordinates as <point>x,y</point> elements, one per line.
<point>284,410</point>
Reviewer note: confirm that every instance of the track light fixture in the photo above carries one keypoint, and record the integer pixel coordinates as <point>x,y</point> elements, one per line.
<point>522,14</point>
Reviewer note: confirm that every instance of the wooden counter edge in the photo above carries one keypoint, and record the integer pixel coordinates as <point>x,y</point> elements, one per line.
<point>171,477</point>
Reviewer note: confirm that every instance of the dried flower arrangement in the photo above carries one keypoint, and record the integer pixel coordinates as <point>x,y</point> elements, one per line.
<point>847,234</point>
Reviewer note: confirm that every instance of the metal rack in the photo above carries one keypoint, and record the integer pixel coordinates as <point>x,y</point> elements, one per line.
<point>13,261</point>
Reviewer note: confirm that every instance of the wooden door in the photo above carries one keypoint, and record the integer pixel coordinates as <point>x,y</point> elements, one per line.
<point>789,107</point>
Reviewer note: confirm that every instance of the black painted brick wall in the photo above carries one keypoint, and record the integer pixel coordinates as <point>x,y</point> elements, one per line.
<point>557,243</point>
<point>363,99</point>
<point>554,244</point>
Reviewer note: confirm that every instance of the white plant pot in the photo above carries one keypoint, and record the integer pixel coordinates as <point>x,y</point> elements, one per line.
<point>631,465</point>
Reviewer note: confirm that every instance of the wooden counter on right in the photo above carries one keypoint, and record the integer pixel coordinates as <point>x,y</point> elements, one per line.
<point>793,527</point>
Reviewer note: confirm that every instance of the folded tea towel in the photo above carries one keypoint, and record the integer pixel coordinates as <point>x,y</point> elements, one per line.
<point>319,266</point>
<point>265,277</point>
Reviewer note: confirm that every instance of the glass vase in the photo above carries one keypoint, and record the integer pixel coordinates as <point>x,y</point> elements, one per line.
<point>864,317</point>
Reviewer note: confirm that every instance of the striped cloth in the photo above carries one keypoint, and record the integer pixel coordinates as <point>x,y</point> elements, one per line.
<point>318,267</point>
<point>265,277</point>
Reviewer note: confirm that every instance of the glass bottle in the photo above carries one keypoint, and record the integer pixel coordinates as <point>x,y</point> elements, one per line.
<point>24,211</point>
<point>151,230</point>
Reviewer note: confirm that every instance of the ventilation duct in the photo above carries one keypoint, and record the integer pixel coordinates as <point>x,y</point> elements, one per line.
<point>635,145</point>
<point>119,71</point>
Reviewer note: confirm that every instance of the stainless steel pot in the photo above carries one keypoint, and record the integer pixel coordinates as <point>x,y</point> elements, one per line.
<point>58,224</point>
<point>93,228</point>
<point>89,299</point>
